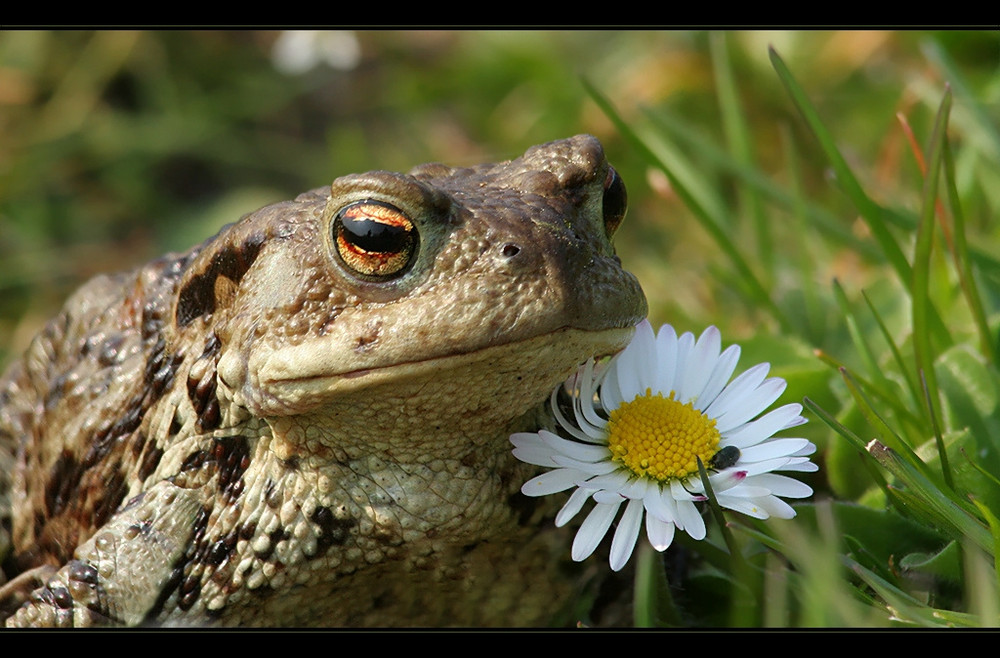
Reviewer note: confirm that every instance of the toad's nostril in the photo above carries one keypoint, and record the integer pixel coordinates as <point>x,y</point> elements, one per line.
<point>615,201</point>
<point>509,250</point>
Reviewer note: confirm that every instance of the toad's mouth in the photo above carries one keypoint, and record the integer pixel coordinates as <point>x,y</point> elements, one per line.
<point>294,379</point>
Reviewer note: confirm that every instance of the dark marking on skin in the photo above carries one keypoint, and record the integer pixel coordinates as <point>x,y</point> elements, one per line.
<point>150,460</point>
<point>188,586</point>
<point>160,373</point>
<point>152,323</point>
<point>197,297</point>
<point>138,443</point>
<point>169,587</point>
<point>212,347</point>
<point>232,456</point>
<point>194,461</point>
<point>57,390</point>
<point>103,441</point>
<point>202,391</point>
<point>212,416</point>
<point>221,549</point>
<point>200,524</point>
<point>189,591</point>
<point>83,572</point>
<point>110,497</point>
<point>62,483</point>
<point>110,350</point>
<point>332,531</point>
<point>368,340</point>
<point>175,426</point>
<point>270,499</point>
<point>248,530</point>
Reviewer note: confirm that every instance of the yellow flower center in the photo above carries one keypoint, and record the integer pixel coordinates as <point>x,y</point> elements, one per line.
<point>660,438</point>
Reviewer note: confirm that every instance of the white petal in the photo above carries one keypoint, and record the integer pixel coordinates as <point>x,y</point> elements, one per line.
<point>690,521</point>
<point>771,450</point>
<point>799,465</point>
<point>613,481</point>
<point>680,491</point>
<point>805,452</point>
<point>764,427</point>
<point>751,404</point>
<point>700,364</point>
<point>585,401</point>
<point>685,345</point>
<point>776,507</point>
<point>584,432</point>
<point>588,468</point>
<point>611,394</point>
<point>532,451</point>
<point>737,389</point>
<point>748,489</point>
<point>727,479</point>
<point>756,468</point>
<point>795,422</point>
<point>666,362</point>
<point>645,358</point>
<point>636,488</point>
<point>628,363</point>
<point>625,535</point>
<point>746,506</point>
<point>572,506</point>
<point>608,497</point>
<point>585,452</point>
<point>660,534</point>
<point>780,485</point>
<point>552,482</point>
<point>660,503</point>
<point>720,375</point>
<point>592,531</point>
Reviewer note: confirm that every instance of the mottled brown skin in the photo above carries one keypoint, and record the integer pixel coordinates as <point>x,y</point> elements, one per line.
<point>253,433</point>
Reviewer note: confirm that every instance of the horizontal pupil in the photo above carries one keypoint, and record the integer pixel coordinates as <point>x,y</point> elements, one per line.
<point>375,236</point>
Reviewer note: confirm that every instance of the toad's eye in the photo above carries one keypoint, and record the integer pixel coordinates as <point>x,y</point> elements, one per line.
<point>615,201</point>
<point>374,239</point>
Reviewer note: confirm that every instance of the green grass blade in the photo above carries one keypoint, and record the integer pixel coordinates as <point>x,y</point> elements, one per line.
<point>872,213</point>
<point>882,429</point>
<point>930,500</point>
<point>818,216</point>
<point>920,283</point>
<point>712,224</point>
<point>983,128</point>
<point>987,344</point>
<point>897,356</point>
<point>738,137</point>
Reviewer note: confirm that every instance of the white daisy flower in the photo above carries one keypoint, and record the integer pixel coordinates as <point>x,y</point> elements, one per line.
<point>642,423</point>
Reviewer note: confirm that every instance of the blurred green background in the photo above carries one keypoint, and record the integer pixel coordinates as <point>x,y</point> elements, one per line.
<point>117,145</point>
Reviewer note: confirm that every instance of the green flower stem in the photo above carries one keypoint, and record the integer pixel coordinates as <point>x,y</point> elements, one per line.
<point>653,604</point>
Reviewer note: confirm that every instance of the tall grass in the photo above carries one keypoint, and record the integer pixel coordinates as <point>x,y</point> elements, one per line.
<point>905,529</point>
<point>828,202</point>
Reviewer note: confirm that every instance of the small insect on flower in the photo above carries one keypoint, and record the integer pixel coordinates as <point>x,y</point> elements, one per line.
<point>726,457</point>
<point>639,428</point>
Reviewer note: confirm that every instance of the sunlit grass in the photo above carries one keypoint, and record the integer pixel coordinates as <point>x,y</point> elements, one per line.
<point>909,532</point>
<point>828,202</point>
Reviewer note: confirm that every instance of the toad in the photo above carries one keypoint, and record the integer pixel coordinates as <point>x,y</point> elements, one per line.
<point>305,419</point>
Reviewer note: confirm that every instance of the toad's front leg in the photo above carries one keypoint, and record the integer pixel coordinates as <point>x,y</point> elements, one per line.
<point>121,574</point>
